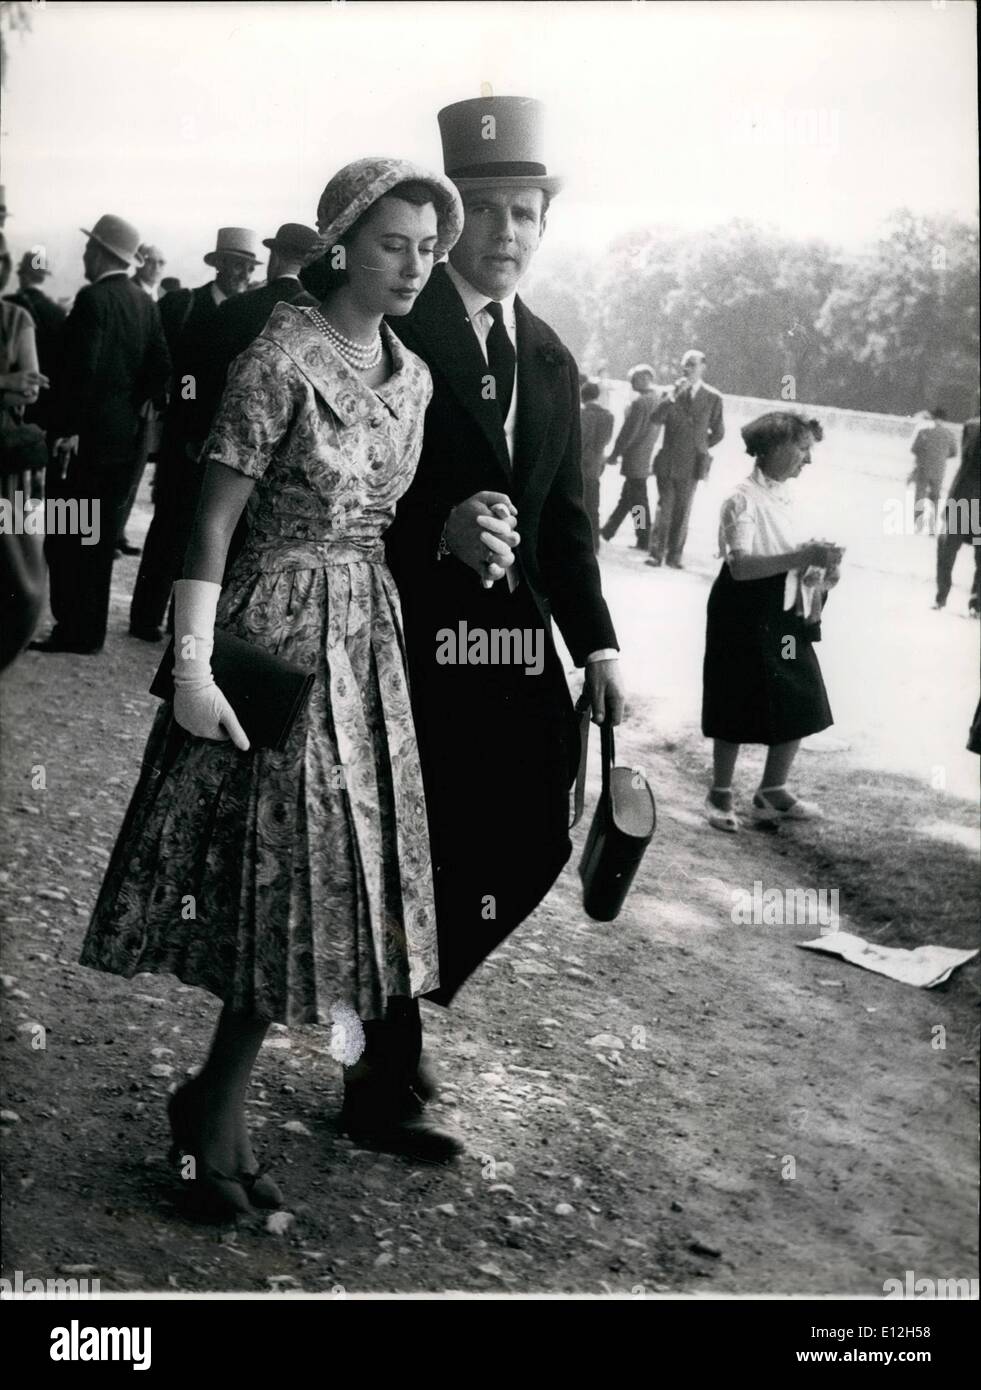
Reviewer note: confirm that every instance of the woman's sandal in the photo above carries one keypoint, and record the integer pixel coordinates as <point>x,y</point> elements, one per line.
<point>765,813</point>
<point>211,1195</point>
<point>719,819</point>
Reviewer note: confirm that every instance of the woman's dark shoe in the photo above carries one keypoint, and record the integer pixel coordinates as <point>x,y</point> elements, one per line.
<point>261,1188</point>
<point>210,1194</point>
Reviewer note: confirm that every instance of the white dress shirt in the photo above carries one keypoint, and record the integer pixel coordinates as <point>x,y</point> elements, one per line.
<point>475,302</point>
<point>219,296</point>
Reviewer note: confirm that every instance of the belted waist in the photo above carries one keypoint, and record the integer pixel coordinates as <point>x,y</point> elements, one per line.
<point>287,552</point>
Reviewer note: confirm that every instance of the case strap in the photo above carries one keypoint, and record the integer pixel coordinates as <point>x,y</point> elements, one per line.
<point>607,756</point>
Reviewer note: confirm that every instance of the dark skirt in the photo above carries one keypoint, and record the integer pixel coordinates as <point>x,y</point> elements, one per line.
<point>761,678</point>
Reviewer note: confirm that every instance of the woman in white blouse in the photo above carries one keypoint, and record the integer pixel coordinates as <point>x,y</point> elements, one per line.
<point>762,681</point>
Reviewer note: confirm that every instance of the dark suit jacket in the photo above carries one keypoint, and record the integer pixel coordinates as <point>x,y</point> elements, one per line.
<point>190,322</point>
<point>966,486</point>
<point>637,437</point>
<point>114,358</point>
<point>508,848</point>
<point>691,428</point>
<point>596,424</point>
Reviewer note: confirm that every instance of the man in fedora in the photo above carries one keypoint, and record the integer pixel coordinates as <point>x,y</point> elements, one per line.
<point>114,357</point>
<point>49,321</point>
<point>693,424</point>
<point>190,321</point>
<point>492,537</point>
<point>242,319</point>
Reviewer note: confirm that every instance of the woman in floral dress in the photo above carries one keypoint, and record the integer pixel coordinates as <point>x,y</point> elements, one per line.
<point>296,886</point>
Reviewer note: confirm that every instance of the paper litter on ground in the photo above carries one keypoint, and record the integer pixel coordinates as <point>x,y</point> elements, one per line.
<point>925,966</point>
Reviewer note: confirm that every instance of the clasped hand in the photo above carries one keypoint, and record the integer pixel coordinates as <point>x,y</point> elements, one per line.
<point>480,532</point>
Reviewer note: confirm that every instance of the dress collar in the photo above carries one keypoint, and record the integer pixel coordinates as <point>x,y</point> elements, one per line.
<point>779,491</point>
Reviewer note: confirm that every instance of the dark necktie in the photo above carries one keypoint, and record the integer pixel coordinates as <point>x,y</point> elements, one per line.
<point>500,358</point>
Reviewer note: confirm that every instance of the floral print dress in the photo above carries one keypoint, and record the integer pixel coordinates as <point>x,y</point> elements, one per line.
<point>286,882</point>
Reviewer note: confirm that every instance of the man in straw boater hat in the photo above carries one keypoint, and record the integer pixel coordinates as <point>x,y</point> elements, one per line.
<point>489,544</point>
<point>190,321</point>
<point>113,358</point>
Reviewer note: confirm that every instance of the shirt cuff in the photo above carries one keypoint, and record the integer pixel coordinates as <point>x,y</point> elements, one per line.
<point>604,654</point>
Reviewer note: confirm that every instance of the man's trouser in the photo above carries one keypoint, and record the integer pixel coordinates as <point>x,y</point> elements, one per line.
<point>80,566</point>
<point>176,488</point>
<point>674,499</point>
<point>633,501</point>
<point>948,544</point>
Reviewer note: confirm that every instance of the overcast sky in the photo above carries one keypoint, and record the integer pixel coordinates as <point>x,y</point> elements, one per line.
<point>817,118</point>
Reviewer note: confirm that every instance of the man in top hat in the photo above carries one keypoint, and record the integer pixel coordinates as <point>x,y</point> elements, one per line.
<point>49,321</point>
<point>114,358</point>
<point>190,321</point>
<point>492,538</point>
<point>693,425</point>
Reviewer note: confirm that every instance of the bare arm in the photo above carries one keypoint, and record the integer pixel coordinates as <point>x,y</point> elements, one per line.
<point>224,494</point>
<point>745,566</point>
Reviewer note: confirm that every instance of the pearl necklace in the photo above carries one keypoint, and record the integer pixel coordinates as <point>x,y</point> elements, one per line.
<point>356,355</point>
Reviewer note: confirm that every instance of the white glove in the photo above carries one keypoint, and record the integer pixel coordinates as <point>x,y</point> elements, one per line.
<point>199,706</point>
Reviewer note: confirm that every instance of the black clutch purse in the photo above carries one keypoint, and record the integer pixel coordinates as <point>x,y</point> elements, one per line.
<point>622,828</point>
<point>267,693</point>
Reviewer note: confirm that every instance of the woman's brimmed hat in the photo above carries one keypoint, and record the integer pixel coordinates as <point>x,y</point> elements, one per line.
<point>357,186</point>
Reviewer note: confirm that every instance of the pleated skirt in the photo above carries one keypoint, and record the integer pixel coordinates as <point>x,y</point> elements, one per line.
<point>285,882</point>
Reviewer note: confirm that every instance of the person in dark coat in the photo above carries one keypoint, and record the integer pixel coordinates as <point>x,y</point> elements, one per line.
<point>961,520</point>
<point>596,424</point>
<point>933,446</point>
<point>761,681</point>
<point>492,538</point>
<point>145,278</point>
<point>190,323</point>
<point>693,425</point>
<point>634,448</point>
<point>242,319</point>
<point>49,322</point>
<point>114,358</point>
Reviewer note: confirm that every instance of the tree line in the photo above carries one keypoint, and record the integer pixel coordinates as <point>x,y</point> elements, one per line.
<point>893,327</point>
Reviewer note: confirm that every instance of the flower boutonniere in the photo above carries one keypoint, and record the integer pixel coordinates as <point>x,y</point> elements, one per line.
<point>551,354</point>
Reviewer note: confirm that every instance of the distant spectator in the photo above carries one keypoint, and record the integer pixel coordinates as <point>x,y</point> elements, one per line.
<point>762,682</point>
<point>147,275</point>
<point>933,446</point>
<point>168,284</point>
<point>597,431</point>
<point>961,522</point>
<point>49,320</point>
<point>693,425</point>
<point>634,448</point>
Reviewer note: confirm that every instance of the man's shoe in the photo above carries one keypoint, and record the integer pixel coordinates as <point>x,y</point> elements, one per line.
<point>146,634</point>
<point>675,565</point>
<point>393,1123</point>
<point>57,644</point>
<point>654,562</point>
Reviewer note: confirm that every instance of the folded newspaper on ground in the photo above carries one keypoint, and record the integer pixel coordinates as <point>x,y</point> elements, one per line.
<point>925,966</point>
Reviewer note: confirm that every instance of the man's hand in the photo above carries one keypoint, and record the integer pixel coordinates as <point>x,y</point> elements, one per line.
<point>605,690</point>
<point>26,384</point>
<point>480,533</point>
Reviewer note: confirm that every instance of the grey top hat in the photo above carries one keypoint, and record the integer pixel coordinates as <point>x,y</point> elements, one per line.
<point>235,241</point>
<point>496,142</point>
<point>117,236</point>
<point>294,239</point>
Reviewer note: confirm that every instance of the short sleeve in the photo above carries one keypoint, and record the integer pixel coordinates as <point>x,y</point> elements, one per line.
<point>256,410</point>
<point>737,524</point>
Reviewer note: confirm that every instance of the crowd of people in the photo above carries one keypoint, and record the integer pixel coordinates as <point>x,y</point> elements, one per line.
<point>379,444</point>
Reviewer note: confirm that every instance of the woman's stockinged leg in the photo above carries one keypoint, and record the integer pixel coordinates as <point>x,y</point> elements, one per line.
<point>779,760</point>
<point>220,1089</point>
<point>724,756</point>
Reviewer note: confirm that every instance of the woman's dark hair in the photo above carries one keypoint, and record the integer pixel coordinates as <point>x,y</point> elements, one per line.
<point>768,432</point>
<point>321,277</point>
<point>589,391</point>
